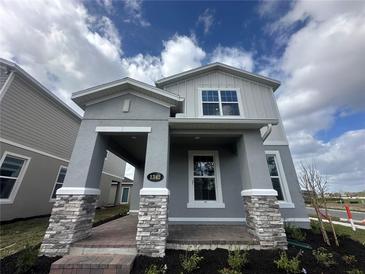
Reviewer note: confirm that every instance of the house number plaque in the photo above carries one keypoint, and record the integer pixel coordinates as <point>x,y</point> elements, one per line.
<point>155,177</point>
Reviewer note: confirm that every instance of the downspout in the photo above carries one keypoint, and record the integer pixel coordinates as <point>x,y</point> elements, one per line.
<point>267,132</point>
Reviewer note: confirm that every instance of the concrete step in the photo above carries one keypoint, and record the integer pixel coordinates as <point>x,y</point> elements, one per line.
<point>93,264</point>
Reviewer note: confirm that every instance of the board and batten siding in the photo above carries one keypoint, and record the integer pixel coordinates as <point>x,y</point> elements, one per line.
<point>30,118</point>
<point>257,100</point>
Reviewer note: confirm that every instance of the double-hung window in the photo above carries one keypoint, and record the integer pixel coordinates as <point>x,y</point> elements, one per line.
<point>59,181</point>
<point>220,103</point>
<point>12,169</point>
<point>278,178</point>
<point>204,180</point>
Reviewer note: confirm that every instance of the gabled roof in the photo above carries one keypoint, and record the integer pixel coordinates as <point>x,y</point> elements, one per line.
<point>14,67</point>
<point>82,97</point>
<point>218,66</point>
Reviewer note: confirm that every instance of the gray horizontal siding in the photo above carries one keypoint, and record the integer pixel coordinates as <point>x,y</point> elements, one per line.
<point>257,100</point>
<point>30,118</point>
<point>3,75</point>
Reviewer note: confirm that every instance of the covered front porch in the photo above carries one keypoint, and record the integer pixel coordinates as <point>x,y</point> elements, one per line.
<point>119,237</point>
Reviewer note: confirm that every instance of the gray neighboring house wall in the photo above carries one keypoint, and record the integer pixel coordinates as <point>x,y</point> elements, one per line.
<point>208,146</point>
<point>40,130</point>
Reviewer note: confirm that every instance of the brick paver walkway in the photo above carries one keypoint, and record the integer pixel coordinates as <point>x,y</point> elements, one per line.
<point>118,233</point>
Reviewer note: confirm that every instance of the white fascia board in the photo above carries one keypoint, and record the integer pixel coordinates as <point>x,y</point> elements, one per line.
<point>124,129</point>
<point>78,191</point>
<point>154,191</point>
<point>259,192</point>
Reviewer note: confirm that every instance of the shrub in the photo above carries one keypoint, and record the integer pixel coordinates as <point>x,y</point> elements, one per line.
<point>229,271</point>
<point>154,269</point>
<point>27,258</point>
<point>349,259</point>
<point>237,259</point>
<point>295,232</point>
<point>288,265</point>
<point>355,271</point>
<point>324,257</point>
<point>315,227</point>
<point>190,262</point>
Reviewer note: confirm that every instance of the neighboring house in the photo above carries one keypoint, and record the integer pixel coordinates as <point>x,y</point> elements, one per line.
<point>208,146</point>
<point>37,135</point>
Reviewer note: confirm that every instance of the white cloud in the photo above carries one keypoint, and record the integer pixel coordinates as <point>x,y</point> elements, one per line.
<point>340,159</point>
<point>180,53</point>
<point>206,19</point>
<point>322,70</point>
<point>60,44</point>
<point>234,57</point>
<point>133,9</point>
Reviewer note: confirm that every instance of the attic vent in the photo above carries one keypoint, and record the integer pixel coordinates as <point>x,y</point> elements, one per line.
<point>126,105</point>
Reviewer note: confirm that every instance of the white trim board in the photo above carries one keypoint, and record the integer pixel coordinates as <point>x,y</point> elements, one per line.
<point>203,219</point>
<point>154,191</point>
<point>113,175</point>
<point>6,85</point>
<point>259,192</point>
<point>123,129</point>
<point>32,149</point>
<point>78,191</point>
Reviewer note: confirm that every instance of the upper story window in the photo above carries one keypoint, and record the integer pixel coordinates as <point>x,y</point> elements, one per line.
<point>220,103</point>
<point>12,169</point>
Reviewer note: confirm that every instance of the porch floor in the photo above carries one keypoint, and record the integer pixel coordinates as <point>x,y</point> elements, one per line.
<point>120,234</point>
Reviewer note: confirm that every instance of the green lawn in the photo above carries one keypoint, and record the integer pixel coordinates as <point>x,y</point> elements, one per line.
<point>358,235</point>
<point>15,236</point>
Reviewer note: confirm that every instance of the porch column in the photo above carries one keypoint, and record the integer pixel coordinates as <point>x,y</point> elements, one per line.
<point>73,212</point>
<point>261,207</point>
<point>152,228</point>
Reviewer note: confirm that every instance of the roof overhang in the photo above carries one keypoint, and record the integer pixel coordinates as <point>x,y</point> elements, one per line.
<point>274,84</point>
<point>218,124</point>
<point>112,89</point>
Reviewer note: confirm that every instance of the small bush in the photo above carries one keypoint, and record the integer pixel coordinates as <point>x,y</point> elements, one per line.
<point>229,271</point>
<point>349,259</point>
<point>154,269</point>
<point>288,265</point>
<point>355,271</point>
<point>190,262</point>
<point>294,232</point>
<point>27,258</point>
<point>237,259</point>
<point>324,257</point>
<point>315,227</point>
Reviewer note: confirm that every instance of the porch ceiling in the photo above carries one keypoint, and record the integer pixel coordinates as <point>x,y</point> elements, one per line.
<point>129,147</point>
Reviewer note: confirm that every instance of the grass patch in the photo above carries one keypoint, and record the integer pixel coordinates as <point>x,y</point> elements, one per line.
<point>16,236</point>
<point>358,235</point>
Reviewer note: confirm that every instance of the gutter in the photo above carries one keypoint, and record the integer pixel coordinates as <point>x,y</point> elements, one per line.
<point>267,132</point>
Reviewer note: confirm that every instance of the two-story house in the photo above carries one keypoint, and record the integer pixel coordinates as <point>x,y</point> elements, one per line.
<point>37,135</point>
<point>208,146</point>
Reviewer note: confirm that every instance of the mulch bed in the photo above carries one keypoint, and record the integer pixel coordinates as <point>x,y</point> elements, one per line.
<point>42,264</point>
<point>262,261</point>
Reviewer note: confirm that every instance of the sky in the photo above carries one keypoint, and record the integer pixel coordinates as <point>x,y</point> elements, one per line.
<point>315,48</point>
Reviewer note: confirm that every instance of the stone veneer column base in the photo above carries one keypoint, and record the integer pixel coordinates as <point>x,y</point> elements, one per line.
<point>152,228</point>
<point>71,220</point>
<point>264,221</point>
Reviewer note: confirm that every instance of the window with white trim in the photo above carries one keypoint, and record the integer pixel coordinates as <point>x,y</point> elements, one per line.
<point>125,194</point>
<point>59,181</point>
<point>278,178</point>
<point>220,103</point>
<point>12,169</point>
<point>204,186</point>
